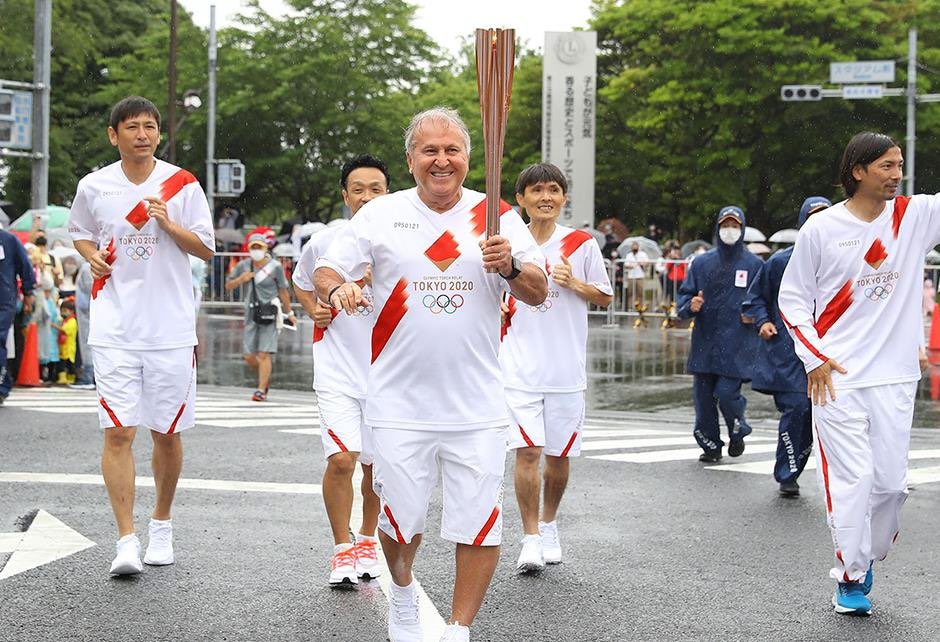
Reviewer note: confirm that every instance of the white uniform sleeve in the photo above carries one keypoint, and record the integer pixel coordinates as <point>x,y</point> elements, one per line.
<point>196,215</point>
<point>82,224</point>
<point>303,271</point>
<point>797,299</point>
<point>928,208</point>
<point>524,247</point>
<point>595,272</point>
<point>351,249</point>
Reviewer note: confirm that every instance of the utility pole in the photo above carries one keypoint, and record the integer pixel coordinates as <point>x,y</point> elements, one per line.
<point>42,47</point>
<point>210,137</point>
<point>171,93</point>
<point>911,107</point>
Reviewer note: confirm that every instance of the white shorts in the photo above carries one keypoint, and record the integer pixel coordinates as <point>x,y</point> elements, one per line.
<point>408,464</point>
<point>550,420</point>
<point>342,427</point>
<point>153,389</point>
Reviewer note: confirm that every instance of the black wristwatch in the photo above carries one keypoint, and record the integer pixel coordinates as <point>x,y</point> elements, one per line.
<point>516,270</point>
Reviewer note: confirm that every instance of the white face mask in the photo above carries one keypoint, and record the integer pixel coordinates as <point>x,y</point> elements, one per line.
<point>71,269</point>
<point>729,235</point>
<point>256,255</point>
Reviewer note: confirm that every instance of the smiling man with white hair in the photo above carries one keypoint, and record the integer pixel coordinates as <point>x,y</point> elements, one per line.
<point>435,391</point>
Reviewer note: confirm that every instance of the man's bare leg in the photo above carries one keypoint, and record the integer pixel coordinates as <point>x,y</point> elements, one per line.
<point>117,468</point>
<point>252,360</point>
<point>475,568</point>
<point>400,558</point>
<point>556,480</point>
<point>528,484</point>
<point>370,503</point>
<point>167,463</point>
<point>338,493</point>
<point>265,365</point>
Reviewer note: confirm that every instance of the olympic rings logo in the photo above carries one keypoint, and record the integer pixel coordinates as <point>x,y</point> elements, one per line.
<point>139,252</point>
<point>442,303</point>
<point>545,306</point>
<point>365,310</point>
<point>879,292</point>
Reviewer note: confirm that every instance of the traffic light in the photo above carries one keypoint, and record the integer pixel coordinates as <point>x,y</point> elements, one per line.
<point>800,92</point>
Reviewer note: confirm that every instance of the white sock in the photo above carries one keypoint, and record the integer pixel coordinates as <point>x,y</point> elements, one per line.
<point>365,538</point>
<point>339,548</point>
<point>161,522</point>
<point>404,590</point>
<point>127,538</point>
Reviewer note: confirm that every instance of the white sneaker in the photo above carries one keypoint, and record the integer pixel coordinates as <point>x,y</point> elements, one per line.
<point>367,557</point>
<point>530,557</point>
<point>160,544</point>
<point>404,623</point>
<point>127,560</point>
<point>343,567</point>
<point>456,632</point>
<point>551,545</point>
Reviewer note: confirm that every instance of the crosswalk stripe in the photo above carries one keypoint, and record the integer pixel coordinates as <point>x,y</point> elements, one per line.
<point>616,444</point>
<point>659,456</point>
<point>766,466</point>
<point>256,423</point>
<point>593,432</point>
<point>148,482</point>
<point>927,475</point>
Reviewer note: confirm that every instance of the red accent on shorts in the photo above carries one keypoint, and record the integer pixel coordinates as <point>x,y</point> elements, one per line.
<point>835,309</point>
<point>900,207</point>
<point>478,215</point>
<point>487,527</point>
<point>803,339</point>
<point>172,186</point>
<point>391,520</point>
<point>574,436</point>
<point>98,283</point>
<point>319,333</point>
<point>391,315</point>
<point>339,443</point>
<point>507,321</point>
<point>107,409</point>
<point>573,241</point>
<point>179,414</point>
<point>525,438</point>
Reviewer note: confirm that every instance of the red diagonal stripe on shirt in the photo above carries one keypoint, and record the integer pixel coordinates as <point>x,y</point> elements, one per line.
<point>803,339</point>
<point>876,254</point>
<point>318,332</point>
<point>98,283</point>
<point>175,183</point>
<point>900,208</point>
<point>389,318</point>
<point>507,321</point>
<point>834,310</point>
<point>478,215</point>
<point>573,241</point>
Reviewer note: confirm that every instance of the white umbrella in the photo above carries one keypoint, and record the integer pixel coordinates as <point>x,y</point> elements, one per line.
<point>648,246</point>
<point>758,248</point>
<point>309,229</point>
<point>283,250</point>
<point>64,251</point>
<point>753,235</point>
<point>784,236</point>
<point>933,257</point>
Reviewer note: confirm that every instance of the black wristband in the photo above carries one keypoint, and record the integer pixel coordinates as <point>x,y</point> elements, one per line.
<point>329,298</point>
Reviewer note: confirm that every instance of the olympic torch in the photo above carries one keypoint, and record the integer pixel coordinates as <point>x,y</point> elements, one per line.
<point>496,53</point>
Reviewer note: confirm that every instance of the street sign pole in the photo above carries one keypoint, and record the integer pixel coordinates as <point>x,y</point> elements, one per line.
<point>210,137</point>
<point>42,39</point>
<point>911,105</point>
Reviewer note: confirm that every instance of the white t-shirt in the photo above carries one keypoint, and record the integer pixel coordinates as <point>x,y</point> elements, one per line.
<point>147,301</point>
<point>434,347</point>
<point>635,263</point>
<point>544,348</point>
<point>341,350</point>
<point>852,290</point>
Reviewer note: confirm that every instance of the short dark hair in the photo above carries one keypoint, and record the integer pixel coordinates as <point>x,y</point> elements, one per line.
<point>541,173</point>
<point>864,149</point>
<point>67,304</point>
<point>130,107</point>
<point>363,160</point>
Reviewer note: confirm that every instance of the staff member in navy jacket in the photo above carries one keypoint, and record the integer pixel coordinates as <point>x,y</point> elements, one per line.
<point>723,350</point>
<point>14,263</point>
<point>777,369</point>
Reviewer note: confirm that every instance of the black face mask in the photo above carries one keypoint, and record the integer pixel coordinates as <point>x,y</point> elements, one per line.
<point>41,241</point>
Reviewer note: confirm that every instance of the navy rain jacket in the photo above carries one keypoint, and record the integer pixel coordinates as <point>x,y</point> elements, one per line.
<point>721,344</point>
<point>777,368</point>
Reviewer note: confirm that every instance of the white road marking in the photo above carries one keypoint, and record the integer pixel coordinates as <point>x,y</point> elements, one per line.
<point>659,456</point>
<point>147,482</point>
<point>46,540</point>
<point>432,624</point>
<point>617,444</point>
<point>928,475</point>
<point>766,466</point>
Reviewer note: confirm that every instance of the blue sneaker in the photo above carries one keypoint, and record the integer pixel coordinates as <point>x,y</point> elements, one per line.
<point>850,599</point>
<point>869,579</point>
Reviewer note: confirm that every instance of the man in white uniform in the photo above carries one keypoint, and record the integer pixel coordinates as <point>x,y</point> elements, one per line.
<point>340,371</point>
<point>850,297</point>
<point>435,401</point>
<point>136,222</point>
<point>543,358</point>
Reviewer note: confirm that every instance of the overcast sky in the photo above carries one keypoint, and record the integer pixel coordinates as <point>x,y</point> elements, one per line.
<point>446,22</point>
